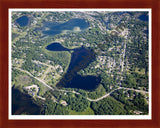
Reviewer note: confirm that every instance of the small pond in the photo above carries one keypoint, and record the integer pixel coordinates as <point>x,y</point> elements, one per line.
<point>23,21</point>
<point>143,17</point>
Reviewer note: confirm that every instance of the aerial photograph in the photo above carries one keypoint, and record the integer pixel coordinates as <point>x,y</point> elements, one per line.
<point>79,62</point>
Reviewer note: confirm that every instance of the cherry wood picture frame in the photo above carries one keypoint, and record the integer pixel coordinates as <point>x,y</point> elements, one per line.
<point>4,40</point>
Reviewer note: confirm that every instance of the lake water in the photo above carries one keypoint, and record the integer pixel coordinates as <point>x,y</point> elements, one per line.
<point>56,47</point>
<point>80,58</point>
<point>22,103</point>
<point>88,83</point>
<point>146,31</point>
<point>143,17</point>
<point>53,28</point>
<point>23,21</point>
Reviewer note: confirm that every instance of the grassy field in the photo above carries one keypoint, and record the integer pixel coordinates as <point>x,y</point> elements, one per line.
<point>87,111</point>
<point>142,71</point>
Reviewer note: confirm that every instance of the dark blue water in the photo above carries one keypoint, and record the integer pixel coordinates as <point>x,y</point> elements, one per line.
<point>81,58</point>
<point>88,83</point>
<point>22,103</point>
<point>23,21</point>
<point>146,31</point>
<point>56,28</point>
<point>56,47</point>
<point>143,17</point>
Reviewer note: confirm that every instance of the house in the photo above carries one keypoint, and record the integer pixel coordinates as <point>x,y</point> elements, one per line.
<point>137,112</point>
<point>64,103</point>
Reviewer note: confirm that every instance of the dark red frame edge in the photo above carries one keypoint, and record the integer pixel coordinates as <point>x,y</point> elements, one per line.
<point>6,4</point>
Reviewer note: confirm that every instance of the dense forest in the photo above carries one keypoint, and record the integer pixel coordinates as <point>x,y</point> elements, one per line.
<point>108,106</point>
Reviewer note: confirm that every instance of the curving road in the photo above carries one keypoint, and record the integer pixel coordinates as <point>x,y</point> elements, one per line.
<point>94,100</point>
<point>35,78</point>
<point>45,83</point>
<point>108,94</point>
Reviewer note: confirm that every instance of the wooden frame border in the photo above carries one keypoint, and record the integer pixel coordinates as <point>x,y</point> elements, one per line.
<point>6,4</point>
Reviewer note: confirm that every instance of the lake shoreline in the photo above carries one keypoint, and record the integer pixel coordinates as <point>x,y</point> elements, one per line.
<point>80,59</point>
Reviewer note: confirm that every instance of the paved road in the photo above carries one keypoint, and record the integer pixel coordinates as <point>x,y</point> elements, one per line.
<point>94,100</point>
<point>45,83</point>
<point>135,90</point>
<point>38,62</point>
<point>46,72</point>
<point>36,78</point>
<point>108,94</point>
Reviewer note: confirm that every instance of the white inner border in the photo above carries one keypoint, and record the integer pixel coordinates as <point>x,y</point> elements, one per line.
<point>74,117</point>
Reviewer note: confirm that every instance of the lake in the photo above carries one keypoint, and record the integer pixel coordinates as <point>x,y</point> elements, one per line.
<point>143,17</point>
<point>53,28</point>
<point>23,21</point>
<point>22,104</point>
<point>80,58</point>
<point>56,47</point>
<point>146,31</point>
